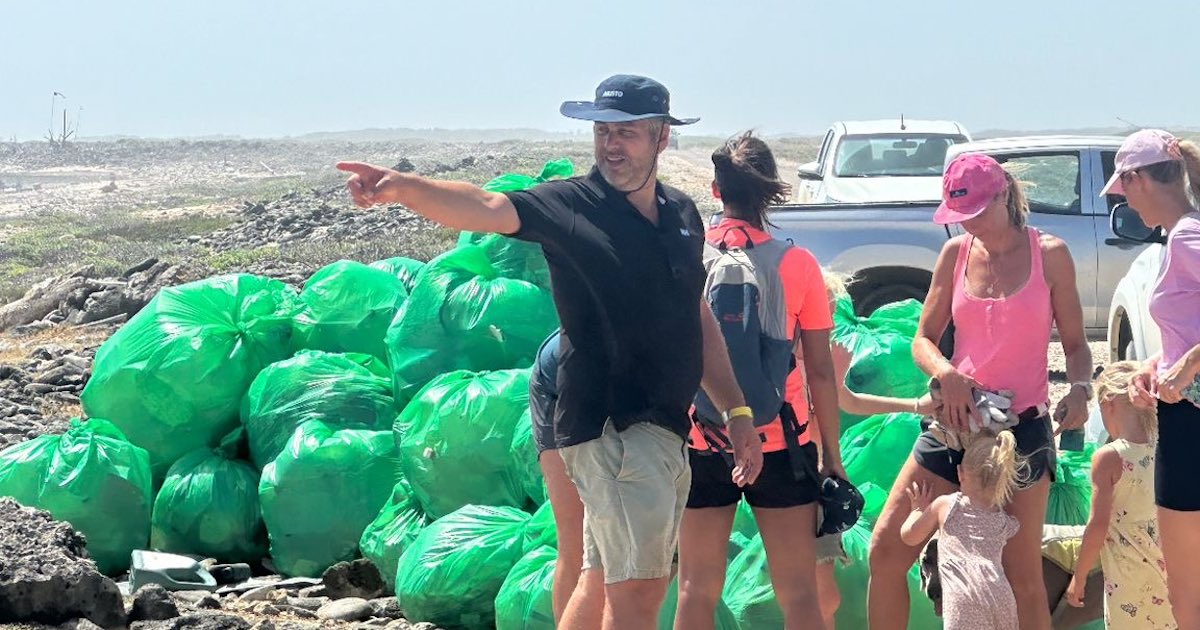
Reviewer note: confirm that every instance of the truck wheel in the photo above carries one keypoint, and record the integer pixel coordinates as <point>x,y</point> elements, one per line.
<point>1125,349</point>
<point>884,295</point>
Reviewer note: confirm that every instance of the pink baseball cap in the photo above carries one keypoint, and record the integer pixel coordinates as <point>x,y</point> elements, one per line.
<point>969,185</point>
<point>1142,148</point>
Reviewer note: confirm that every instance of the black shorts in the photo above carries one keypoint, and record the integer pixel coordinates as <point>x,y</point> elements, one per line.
<point>1035,442</point>
<point>776,486</point>
<point>541,413</point>
<point>1176,466</point>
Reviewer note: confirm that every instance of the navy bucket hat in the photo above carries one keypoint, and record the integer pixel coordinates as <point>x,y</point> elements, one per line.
<point>625,98</point>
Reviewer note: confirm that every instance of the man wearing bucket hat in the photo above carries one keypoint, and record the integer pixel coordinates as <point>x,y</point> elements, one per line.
<point>638,340</point>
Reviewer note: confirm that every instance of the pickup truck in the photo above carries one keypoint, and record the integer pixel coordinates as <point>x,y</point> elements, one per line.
<point>876,160</point>
<point>890,247</point>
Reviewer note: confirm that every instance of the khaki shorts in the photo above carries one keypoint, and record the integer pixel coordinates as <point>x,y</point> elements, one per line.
<point>634,485</point>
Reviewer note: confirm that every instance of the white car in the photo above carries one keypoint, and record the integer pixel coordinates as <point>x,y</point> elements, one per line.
<point>880,161</point>
<point>1132,334</point>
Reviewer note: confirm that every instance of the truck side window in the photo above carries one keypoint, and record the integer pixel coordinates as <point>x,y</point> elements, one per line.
<point>1108,162</point>
<point>1051,181</point>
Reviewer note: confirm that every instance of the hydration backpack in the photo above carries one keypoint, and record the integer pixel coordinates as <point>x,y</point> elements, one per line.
<point>745,291</point>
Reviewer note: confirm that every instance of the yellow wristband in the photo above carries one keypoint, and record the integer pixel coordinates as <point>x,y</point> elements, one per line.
<point>737,412</point>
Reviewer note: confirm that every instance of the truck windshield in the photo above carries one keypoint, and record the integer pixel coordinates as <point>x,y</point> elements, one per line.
<point>893,155</point>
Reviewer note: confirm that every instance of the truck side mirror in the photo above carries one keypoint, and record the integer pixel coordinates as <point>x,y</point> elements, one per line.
<point>1128,225</point>
<point>809,172</point>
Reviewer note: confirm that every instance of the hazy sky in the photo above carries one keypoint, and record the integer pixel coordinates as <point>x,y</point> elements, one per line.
<point>271,68</point>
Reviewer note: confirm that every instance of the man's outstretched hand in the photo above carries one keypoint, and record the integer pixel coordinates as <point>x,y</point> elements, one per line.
<point>369,184</point>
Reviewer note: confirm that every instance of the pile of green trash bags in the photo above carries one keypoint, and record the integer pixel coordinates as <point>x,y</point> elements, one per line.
<point>456,439</point>
<point>393,531</point>
<point>404,269</point>
<point>880,348</point>
<point>484,305</point>
<point>172,379</point>
<point>348,307</point>
<point>454,570</point>
<point>208,505</point>
<point>350,391</point>
<point>321,493</point>
<point>91,477</point>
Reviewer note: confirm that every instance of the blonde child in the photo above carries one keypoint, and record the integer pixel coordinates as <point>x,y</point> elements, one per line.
<point>1122,531</point>
<point>973,529</point>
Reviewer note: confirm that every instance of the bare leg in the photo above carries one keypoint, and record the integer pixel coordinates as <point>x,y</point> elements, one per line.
<point>585,610</point>
<point>568,519</point>
<point>703,550</point>
<point>634,604</point>
<point>828,595</point>
<point>788,536</point>
<point>887,595</point>
<point>1023,556</point>
<point>1179,533</point>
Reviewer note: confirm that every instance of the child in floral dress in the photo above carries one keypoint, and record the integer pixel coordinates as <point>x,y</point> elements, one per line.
<point>1122,531</point>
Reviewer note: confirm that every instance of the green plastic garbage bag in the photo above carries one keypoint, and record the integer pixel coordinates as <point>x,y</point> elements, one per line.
<point>748,592</point>
<point>90,477</point>
<point>526,599</point>
<point>880,347</point>
<point>173,378</point>
<point>396,527</point>
<point>322,491</point>
<point>350,391</point>
<point>526,468</point>
<point>875,449</point>
<point>541,530</point>
<point>464,315</point>
<point>456,440</point>
<point>743,520</point>
<point>514,258</point>
<point>554,169</point>
<point>723,618</point>
<point>404,269</point>
<point>452,572</point>
<point>1070,499</point>
<point>208,506</point>
<point>348,307</point>
<point>852,576</point>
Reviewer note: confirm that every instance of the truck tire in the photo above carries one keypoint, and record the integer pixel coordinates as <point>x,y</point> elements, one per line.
<point>1125,350</point>
<point>888,294</point>
<point>881,296</point>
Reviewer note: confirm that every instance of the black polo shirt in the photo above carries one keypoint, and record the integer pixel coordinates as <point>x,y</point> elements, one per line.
<point>628,296</point>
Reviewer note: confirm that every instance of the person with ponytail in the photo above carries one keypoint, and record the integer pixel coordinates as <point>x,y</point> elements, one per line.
<point>1160,177</point>
<point>973,529</point>
<point>746,181</point>
<point>1006,286</point>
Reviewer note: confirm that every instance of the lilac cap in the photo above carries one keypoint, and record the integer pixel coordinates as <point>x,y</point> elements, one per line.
<point>1142,148</point>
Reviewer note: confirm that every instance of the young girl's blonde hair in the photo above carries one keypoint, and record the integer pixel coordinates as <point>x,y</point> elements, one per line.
<point>835,282</point>
<point>1115,382</point>
<point>992,459</point>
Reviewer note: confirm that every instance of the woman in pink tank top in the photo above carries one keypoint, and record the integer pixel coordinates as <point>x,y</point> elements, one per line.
<point>1160,176</point>
<point>1005,286</point>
